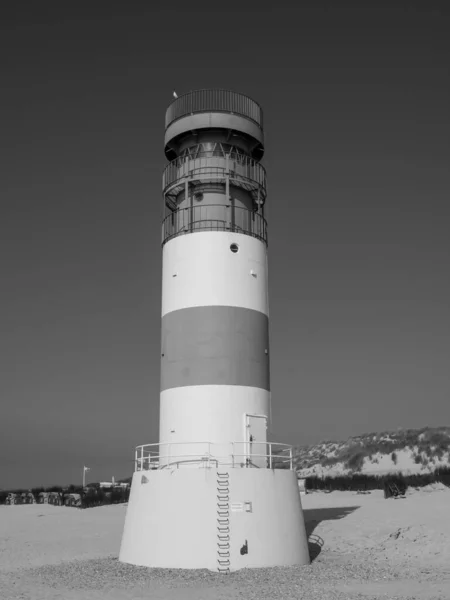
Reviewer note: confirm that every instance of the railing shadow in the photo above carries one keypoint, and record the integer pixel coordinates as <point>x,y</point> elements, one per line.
<point>315,545</point>
<point>314,516</point>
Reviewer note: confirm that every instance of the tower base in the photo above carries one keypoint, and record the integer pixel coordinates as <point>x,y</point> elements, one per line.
<point>217,519</point>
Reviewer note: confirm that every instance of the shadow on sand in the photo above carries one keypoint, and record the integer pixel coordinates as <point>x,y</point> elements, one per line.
<point>314,516</point>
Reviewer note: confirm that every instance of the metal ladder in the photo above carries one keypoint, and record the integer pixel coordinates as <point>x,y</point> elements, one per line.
<point>223,523</point>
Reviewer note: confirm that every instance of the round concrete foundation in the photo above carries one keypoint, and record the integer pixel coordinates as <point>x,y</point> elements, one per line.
<point>217,519</point>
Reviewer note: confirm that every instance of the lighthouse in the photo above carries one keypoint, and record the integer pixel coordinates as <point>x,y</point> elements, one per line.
<point>215,492</point>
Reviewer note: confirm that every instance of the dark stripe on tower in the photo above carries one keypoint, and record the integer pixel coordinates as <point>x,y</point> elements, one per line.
<point>215,345</point>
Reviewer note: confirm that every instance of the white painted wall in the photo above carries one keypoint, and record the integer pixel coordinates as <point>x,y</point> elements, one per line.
<point>214,413</point>
<point>275,530</point>
<point>199,269</point>
<point>168,519</point>
<point>171,521</point>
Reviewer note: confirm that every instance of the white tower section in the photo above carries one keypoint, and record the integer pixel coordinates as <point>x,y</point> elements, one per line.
<point>214,493</point>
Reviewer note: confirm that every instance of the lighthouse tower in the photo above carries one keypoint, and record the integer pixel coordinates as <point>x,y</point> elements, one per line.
<point>214,492</point>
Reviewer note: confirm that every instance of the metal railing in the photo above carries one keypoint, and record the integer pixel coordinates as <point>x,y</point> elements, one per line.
<point>214,217</point>
<point>241,171</point>
<point>214,100</point>
<point>270,455</point>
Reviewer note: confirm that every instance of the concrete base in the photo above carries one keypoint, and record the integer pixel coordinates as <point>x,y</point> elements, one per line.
<point>217,519</point>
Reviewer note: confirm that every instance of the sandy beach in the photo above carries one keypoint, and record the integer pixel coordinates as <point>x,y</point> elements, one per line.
<point>362,546</point>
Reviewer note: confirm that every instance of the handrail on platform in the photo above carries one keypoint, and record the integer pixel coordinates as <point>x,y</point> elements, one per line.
<point>165,455</point>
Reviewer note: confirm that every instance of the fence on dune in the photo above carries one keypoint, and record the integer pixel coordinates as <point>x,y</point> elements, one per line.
<point>358,482</point>
<point>72,497</point>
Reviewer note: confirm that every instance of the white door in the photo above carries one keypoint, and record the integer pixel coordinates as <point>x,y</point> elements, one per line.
<point>256,438</point>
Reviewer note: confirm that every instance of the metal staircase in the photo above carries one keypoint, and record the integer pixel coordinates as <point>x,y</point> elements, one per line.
<point>223,523</point>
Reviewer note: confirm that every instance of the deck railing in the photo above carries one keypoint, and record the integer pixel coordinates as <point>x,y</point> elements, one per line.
<point>240,170</point>
<point>217,101</point>
<point>269,455</point>
<point>214,217</point>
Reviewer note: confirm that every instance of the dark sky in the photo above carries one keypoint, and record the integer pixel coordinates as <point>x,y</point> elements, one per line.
<point>356,103</point>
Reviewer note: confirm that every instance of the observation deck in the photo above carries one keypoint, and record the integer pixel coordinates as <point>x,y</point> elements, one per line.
<point>210,167</point>
<point>214,181</point>
<point>214,217</point>
<point>236,455</point>
<point>211,109</point>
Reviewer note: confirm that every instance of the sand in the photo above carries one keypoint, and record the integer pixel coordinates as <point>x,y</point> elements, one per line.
<point>363,546</point>
<point>381,464</point>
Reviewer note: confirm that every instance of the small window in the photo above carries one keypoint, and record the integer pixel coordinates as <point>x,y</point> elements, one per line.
<point>234,248</point>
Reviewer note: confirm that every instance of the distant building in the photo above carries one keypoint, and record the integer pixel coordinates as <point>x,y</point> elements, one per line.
<point>110,484</point>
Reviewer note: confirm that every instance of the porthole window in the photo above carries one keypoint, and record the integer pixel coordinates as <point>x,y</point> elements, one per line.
<point>234,248</point>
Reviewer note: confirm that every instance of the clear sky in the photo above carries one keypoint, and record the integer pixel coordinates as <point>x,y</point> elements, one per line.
<point>356,104</point>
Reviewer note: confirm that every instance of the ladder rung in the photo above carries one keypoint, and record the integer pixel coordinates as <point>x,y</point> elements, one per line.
<point>224,538</point>
<point>223,562</point>
<point>222,474</point>
<point>225,554</point>
<point>225,546</point>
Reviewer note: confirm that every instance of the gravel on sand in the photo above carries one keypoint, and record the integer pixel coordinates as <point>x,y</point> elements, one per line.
<point>329,578</point>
